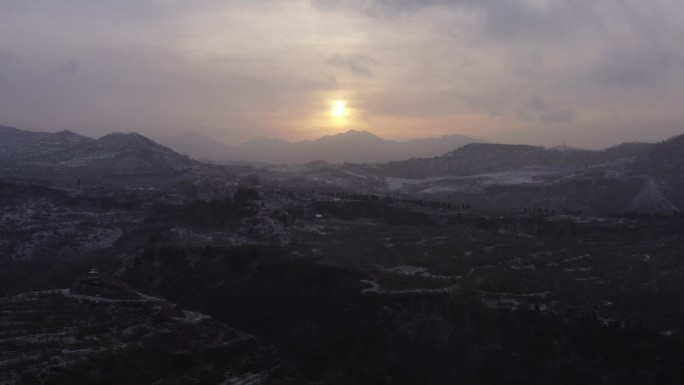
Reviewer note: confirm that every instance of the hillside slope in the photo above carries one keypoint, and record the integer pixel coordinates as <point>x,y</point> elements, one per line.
<point>67,338</point>
<point>68,156</point>
<point>22,146</point>
<point>123,153</point>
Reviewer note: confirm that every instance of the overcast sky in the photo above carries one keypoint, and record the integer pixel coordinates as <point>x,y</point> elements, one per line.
<point>590,73</point>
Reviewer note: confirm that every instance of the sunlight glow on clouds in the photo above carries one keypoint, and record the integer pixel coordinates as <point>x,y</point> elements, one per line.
<point>589,73</point>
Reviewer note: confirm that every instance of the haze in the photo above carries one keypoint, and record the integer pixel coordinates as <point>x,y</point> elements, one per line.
<point>587,73</point>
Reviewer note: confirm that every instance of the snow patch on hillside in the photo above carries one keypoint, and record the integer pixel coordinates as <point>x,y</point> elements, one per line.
<point>651,199</point>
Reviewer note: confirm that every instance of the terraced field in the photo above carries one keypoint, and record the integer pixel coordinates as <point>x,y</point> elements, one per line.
<point>56,337</point>
<point>615,276</point>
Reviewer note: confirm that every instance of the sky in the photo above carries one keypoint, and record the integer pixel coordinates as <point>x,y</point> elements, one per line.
<point>588,73</point>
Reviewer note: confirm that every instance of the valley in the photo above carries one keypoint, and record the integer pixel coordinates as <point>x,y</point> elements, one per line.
<point>344,273</point>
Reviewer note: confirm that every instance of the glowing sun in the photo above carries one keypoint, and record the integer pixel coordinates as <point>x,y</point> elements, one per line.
<point>339,109</point>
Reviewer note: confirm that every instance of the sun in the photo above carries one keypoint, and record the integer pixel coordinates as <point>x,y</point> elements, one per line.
<point>339,109</point>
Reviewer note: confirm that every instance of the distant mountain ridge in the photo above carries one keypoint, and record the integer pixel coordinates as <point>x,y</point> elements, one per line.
<point>641,177</point>
<point>348,147</point>
<point>27,145</point>
<point>123,153</point>
<point>477,158</point>
<point>42,154</point>
<point>630,177</point>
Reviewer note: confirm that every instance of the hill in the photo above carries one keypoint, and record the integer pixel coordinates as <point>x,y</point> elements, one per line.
<point>630,177</point>
<point>477,158</point>
<point>21,146</point>
<point>122,153</point>
<point>68,156</point>
<point>69,338</point>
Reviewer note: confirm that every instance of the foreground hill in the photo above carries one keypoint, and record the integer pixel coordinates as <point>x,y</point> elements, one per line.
<point>357,289</point>
<point>348,147</point>
<point>665,166</point>
<point>62,337</point>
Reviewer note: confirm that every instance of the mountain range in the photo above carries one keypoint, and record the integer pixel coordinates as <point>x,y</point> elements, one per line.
<point>348,147</point>
<point>49,155</point>
<point>641,177</point>
<point>480,158</point>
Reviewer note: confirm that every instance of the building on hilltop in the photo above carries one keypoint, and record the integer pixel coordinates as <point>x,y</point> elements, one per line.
<point>93,273</point>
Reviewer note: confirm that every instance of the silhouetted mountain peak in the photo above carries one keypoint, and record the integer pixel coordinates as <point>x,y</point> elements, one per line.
<point>71,136</point>
<point>358,133</point>
<point>352,135</point>
<point>126,141</point>
<point>565,148</point>
<point>123,136</point>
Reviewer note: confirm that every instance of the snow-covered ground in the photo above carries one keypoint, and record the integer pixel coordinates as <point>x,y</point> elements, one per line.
<point>375,288</point>
<point>414,271</point>
<point>652,199</point>
<point>470,183</point>
<point>247,378</point>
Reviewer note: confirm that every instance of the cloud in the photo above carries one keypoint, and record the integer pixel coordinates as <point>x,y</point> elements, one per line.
<point>356,64</point>
<point>557,116</point>
<point>494,104</point>
<point>270,67</point>
<point>538,109</point>
<point>537,104</point>
<point>636,67</point>
<point>503,19</point>
<point>70,67</point>
<point>500,104</point>
<point>533,21</point>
